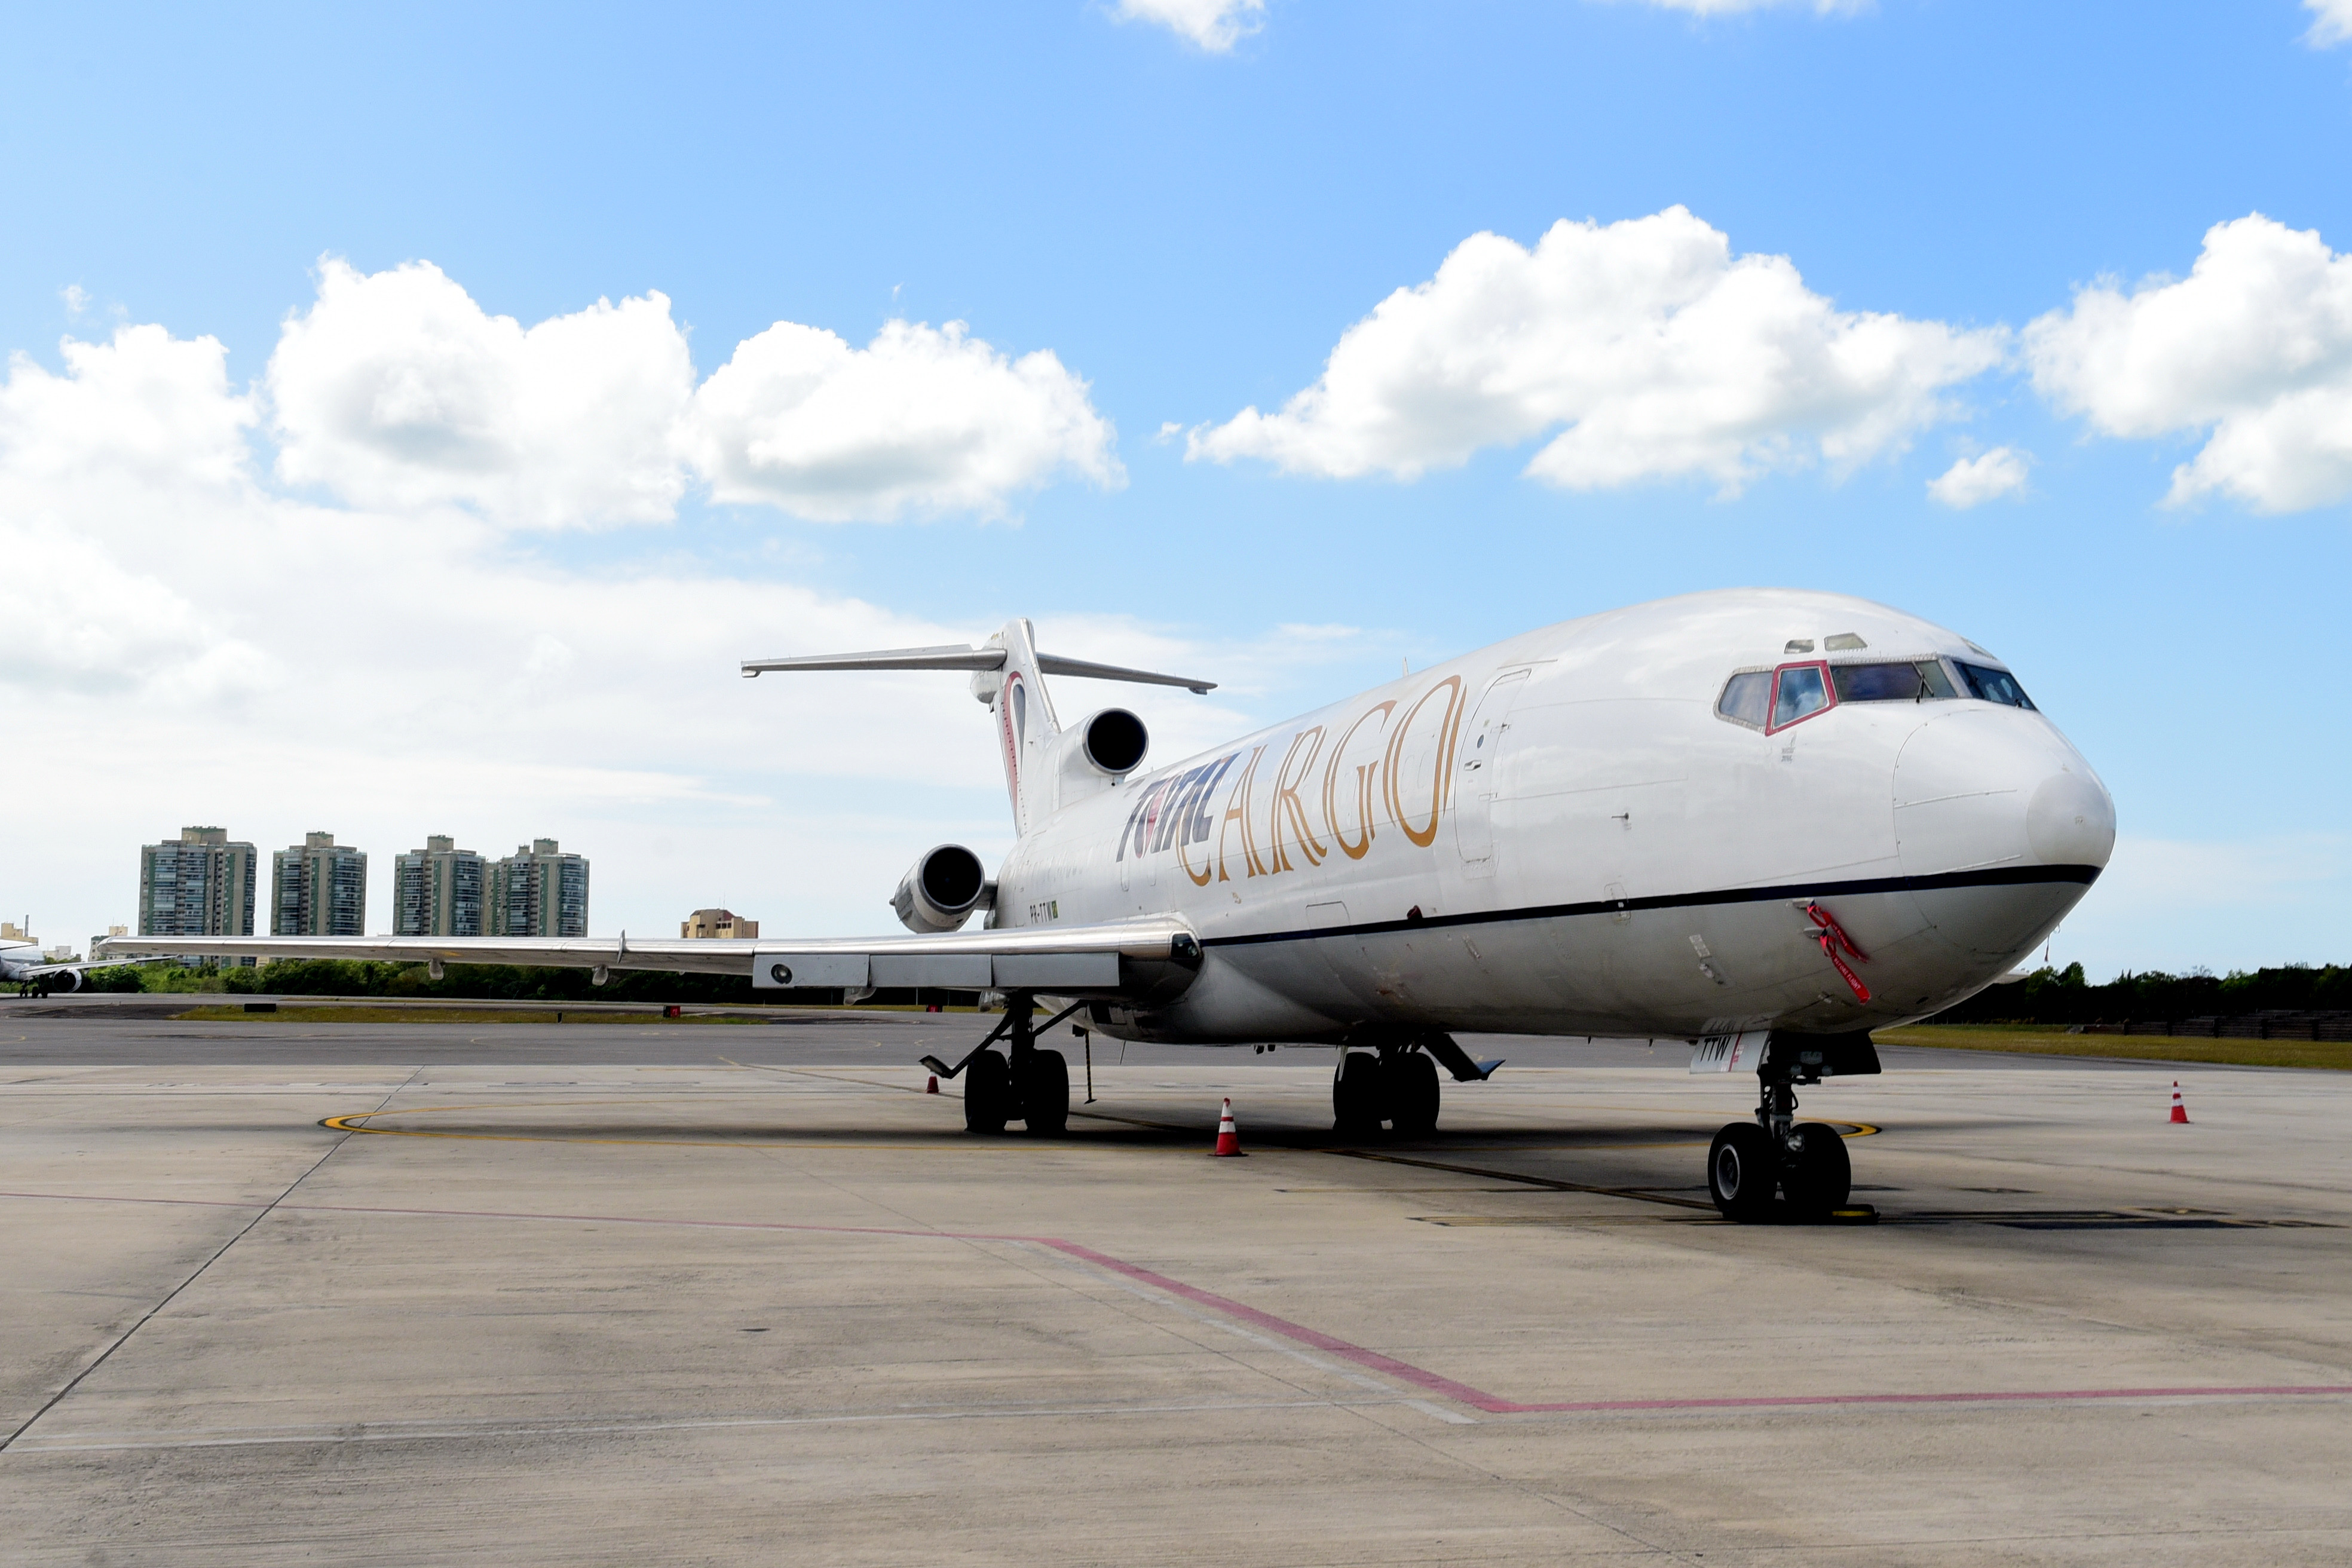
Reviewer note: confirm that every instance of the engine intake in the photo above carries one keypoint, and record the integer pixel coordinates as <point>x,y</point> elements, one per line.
<point>939,891</point>
<point>1116,741</point>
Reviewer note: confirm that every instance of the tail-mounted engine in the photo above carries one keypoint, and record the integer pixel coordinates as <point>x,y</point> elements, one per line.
<point>939,891</point>
<point>1097,753</point>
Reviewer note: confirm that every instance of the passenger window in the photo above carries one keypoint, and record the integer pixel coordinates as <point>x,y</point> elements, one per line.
<point>1993,685</point>
<point>1747,698</point>
<point>1914,682</point>
<point>1803,692</point>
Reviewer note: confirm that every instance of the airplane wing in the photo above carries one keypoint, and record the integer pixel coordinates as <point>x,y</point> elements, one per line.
<point>1147,960</point>
<point>36,971</point>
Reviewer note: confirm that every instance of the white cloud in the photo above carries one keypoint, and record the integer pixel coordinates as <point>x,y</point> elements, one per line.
<point>1660,354</point>
<point>2254,346</point>
<point>76,296</point>
<point>397,390</point>
<point>1972,481</point>
<point>143,407</point>
<point>921,420</point>
<point>1214,25</point>
<point>2333,23</point>
<point>84,623</point>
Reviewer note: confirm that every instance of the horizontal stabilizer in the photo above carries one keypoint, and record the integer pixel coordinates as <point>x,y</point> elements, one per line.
<point>1055,664</point>
<point>956,658</point>
<point>951,656</point>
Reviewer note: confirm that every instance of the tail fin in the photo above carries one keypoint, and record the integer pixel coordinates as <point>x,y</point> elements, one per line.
<point>1025,721</point>
<point>1008,675</point>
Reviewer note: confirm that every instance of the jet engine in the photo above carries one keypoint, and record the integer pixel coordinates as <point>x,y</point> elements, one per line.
<point>939,891</point>
<point>1095,754</point>
<point>1114,742</point>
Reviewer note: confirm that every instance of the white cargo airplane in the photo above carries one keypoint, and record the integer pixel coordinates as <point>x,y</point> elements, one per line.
<point>1762,820</point>
<point>24,965</point>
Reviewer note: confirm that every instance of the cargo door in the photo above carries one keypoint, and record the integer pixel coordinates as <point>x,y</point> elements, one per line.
<point>1478,774</point>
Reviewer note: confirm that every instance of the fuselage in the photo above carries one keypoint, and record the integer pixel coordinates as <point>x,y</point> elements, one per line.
<point>18,961</point>
<point>1593,828</point>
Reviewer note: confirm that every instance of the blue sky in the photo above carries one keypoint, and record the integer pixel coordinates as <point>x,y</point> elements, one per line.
<point>275,618</point>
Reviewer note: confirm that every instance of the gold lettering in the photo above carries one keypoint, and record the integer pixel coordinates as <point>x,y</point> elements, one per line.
<point>1286,811</point>
<point>1238,810</point>
<point>1195,821</point>
<point>1364,771</point>
<point>1443,775</point>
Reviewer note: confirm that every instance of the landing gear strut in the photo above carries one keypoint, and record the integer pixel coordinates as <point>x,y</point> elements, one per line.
<point>1396,1084</point>
<point>1803,1164</point>
<point>1030,1085</point>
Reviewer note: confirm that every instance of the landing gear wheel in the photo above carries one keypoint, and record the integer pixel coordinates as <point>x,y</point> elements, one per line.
<point>1409,1085</point>
<point>987,1093</point>
<point>1044,1090</point>
<point>1741,1172</point>
<point>1356,1093</point>
<point>1816,1176</point>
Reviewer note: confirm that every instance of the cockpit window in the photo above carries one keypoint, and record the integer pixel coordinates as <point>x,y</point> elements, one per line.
<point>1993,685</point>
<point>1803,691</point>
<point>1747,698</point>
<point>1917,681</point>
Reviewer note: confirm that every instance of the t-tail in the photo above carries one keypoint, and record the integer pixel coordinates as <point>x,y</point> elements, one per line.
<point>1007,674</point>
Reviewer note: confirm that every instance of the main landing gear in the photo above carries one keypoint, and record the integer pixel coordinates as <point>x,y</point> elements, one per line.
<point>1030,1085</point>
<point>1397,1085</point>
<point>1803,1165</point>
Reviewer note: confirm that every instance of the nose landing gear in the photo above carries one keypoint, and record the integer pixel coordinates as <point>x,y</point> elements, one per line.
<point>1777,1167</point>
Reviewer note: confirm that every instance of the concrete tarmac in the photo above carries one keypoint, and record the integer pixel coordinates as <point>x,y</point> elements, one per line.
<point>277,1292</point>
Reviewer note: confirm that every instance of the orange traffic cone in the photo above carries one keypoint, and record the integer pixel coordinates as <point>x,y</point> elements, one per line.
<point>2180,1112</point>
<point>932,1086</point>
<point>1229,1143</point>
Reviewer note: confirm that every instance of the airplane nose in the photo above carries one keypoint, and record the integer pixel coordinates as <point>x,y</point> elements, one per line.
<point>2070,820</point>
<point>1991,787</point>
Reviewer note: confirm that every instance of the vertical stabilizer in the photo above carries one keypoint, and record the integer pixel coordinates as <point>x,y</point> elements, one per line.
<point>1025,722</point>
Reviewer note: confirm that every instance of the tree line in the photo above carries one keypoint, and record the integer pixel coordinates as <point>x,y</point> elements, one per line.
<point>2065,995</point>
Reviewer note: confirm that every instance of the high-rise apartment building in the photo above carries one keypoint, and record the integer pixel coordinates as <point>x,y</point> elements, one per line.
<point>199,884</point>
<point>538,891</point>
<point>707,923</point>
<point>318,888</point>
<point>439,890</point>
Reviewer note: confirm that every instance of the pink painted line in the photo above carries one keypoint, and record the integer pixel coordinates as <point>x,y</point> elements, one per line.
<point>2034,1397</point>
<point>1389,1366</point>
<point>1403,1372</point>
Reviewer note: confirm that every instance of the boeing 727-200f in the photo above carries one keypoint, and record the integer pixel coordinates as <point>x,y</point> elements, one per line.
<point>1764,822</point>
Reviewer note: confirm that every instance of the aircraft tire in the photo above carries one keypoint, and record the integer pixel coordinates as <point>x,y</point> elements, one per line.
<point>1046,1094</point>
<point>1356,1093</point>
<point>1741,1173</point>
<point>1819,1176</point>
<point>1410,1082</point>
<point>987,1093</point>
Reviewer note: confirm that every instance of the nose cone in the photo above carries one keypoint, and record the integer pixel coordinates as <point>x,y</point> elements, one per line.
<point>2070,820</point>
<point>2005,824</point>
<point>1989,787</point>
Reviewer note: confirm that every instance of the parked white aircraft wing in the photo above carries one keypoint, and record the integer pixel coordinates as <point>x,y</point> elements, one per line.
<point>1154,958</point>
